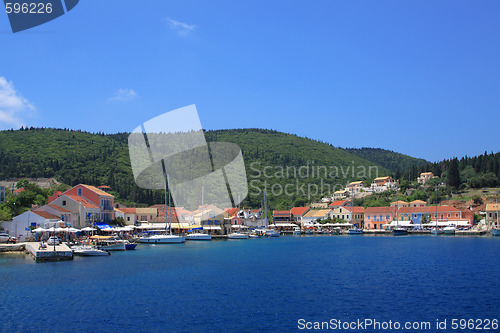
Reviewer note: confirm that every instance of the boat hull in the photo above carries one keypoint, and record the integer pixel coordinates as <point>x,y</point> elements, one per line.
<point>437,232</point>
<point>495,232</point>
<point>87,251</point>
<point>199,237</point>
<point>355,231</point>
<point>112,247</point>
<point>237,236</point>
<point>130,246</point>
<point>399,232</point>
<point>163,239</point>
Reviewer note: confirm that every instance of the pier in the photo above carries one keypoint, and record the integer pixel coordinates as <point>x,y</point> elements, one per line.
<point>61,252</point>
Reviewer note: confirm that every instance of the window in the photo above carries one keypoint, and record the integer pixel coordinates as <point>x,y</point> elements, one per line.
<point>128,218</point>
<point>64,203</point>
<point>449,215</point>
<point>456,214</point>
<point>80,192</point>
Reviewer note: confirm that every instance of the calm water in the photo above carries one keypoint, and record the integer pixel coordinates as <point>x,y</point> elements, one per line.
<point>256,284</point>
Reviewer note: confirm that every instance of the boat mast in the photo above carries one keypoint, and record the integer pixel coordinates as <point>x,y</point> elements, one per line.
<point>397,206</point>
<point>265,209</point>
<point>202,208</point>
<point>436,206</point>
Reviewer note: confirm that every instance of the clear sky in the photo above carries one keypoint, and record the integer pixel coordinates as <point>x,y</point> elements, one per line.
<point>417,77</point>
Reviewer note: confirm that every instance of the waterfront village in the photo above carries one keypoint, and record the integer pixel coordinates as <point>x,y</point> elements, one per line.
<point>85,211</point>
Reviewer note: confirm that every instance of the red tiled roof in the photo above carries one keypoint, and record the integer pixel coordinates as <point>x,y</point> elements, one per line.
<point>231,211</point>
<point>337,203</point>
<point>281,213</point>
<point>96,190</point>
<point>372,210</point>
<point>82,201</point>
<point>104,186</point>
<point>62,210</point>
<point>299,210</point>
<point>355,209</point>
<point>128,210</point>
<point>19,190</point>
<point>46,215</point>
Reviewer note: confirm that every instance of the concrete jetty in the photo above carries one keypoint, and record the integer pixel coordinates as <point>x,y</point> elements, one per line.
<point>61,252</point>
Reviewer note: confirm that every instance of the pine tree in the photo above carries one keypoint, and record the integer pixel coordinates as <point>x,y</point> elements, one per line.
<point>453,177</point>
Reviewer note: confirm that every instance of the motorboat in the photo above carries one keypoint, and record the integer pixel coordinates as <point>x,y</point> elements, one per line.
<point>88,251</point>
<point>108,243</point>
<point>237,235</point>
<point>128,245</point>
<point>437,231</point>
<point>196,236</point>
<point>495,232</point>
<point>399,231</point>
<point>296,231</point>
<point>162,239</point>
<point>449,230</point>
<point>355,231</point>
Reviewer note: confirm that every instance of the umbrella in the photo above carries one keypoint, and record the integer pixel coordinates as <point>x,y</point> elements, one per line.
<point>73,230</point>
<point>38,230</point>
<point>61,229</point>
<point>88,229</point>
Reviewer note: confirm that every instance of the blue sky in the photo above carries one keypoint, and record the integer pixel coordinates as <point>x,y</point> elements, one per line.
<point>417,77</point>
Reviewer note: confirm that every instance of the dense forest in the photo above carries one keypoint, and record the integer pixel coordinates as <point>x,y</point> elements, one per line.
<point>390,160</point>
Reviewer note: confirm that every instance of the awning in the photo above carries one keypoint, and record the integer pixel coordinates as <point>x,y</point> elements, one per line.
<point>237,226</point>
<point>284,225</point>
<point>103,226</point>
<point>211,227</point>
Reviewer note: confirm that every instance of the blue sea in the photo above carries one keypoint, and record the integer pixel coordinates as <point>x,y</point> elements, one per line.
<point>257,285</point>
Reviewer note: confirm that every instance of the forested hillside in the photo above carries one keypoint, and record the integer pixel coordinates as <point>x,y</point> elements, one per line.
<point>393,161</point>
<point>74,157</point>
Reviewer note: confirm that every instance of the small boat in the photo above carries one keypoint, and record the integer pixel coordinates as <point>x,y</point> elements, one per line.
<point>296,231</point>
<point>355,231</point>
<point>271,233</point>
<point>237,235</point>
<point>162,239</point>
<point>108,243</point>
<point>196,236</point>
<point>495,232</point>
<point>88,251</point>
<point>399,232</point>
<point>449,230</point>
<point>130,246</point>
<point>436,231</point>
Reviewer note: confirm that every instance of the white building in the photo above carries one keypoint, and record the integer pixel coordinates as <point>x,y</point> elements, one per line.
<point>20,225</point>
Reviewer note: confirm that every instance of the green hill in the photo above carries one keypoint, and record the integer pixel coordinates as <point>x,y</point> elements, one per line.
<point>389,159</point>
<point>306,168</point>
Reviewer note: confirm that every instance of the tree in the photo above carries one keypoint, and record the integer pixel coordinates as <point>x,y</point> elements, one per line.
<point>453,178</point>
<point>477,200</point>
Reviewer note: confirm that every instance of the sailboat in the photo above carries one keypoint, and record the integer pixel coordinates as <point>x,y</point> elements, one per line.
<point>353,230</point>
<point>168,237</point>
<point>496,231</point>
<point>237,234</point>
<point>199,236</point>
<point>266,231</point>
<point>436,230</point>
<point>398,231</point>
